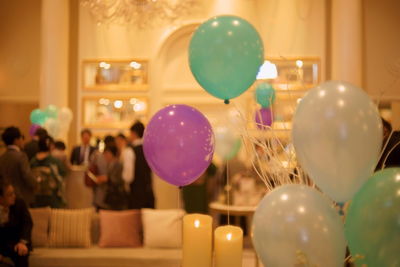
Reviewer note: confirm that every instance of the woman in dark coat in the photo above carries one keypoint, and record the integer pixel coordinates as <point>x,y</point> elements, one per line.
<point>15,227</point>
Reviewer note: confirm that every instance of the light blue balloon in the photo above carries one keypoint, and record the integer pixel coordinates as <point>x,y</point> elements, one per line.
<point>225,55</point>
<point>265,94</point>
<point>295,225</point>
<point>337,135</point>
<point>38,117</point>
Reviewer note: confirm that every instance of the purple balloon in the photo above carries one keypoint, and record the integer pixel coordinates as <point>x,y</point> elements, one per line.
<point>178,144</point>
<point>263,118</point>
<point>33,128</point>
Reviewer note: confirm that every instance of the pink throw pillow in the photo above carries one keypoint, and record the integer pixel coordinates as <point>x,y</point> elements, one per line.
<point>120,228</point>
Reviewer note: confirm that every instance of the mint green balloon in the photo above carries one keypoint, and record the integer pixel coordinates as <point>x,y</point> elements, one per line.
<point>265,94</point>
<point>225,55</point>
<point>373,221</point>
<point>38,117</point>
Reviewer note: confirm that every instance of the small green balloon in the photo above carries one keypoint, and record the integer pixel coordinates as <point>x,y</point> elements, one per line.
<point>373,221</point>
<point>225,55</point>
<point>51,111</point>
<point>38,117</point>
<point>265,94</point>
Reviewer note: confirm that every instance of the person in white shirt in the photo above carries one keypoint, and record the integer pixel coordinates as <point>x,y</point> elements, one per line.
<point>127,157</point>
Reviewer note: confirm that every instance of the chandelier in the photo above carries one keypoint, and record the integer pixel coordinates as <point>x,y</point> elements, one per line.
<point>140,13</point>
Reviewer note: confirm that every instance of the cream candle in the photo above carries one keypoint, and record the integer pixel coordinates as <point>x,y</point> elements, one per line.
<point>197,240</point>
<point>228,244</point>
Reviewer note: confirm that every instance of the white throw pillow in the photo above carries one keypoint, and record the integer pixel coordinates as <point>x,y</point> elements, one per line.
<point>70,228</point>
<point>162,228</point>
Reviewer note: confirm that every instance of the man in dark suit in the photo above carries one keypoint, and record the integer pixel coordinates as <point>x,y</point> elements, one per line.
<point>81,154</point>
<point>141,188</point>
<point>32,147</point>
<point>15,228</point>
<point>14,165</point>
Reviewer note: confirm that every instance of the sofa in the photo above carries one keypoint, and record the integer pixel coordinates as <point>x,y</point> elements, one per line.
<point>83,237</point>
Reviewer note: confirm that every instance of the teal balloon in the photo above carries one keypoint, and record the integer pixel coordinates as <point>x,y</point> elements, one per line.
<point>51,111</point>
<point>265,94</point>
<point>373,221</point>
<point>295,225</point>
<point>337,135</point>
<point>225,55</point>
<point>38,117</point>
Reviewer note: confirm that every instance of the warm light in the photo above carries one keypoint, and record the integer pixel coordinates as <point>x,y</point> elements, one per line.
<point>135,65</point>
<point>298,100</point>
<point>341,102</point>
<point>342,88</point>
<point>140,106</point>
<point>230,33</point>
<point>171,113</point>
<point>133,101</point>
<point>214,24</point>
<point>284,197</point>
<point>299,63</point>
<point>301,209</point>
<point>322,93</point>
<point>197,223</point>
<point>398,178</point>
<point>104,101</point>
<point>118,103</point>
<point>267,71</point>
<point>182,123</point>
<point>103,64</point>
<point>108,66</point>
<point>236,22</point>
<point>229,236</point>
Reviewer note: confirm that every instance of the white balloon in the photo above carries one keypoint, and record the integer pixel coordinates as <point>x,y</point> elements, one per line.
<point>295,225</point>
<point>227,142</point>
<point>53,127</point>
<point>65,115</point>
<point>337,135</point>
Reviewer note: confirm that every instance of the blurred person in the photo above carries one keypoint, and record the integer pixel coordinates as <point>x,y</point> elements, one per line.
<point>14,165</point>
<point>126,156</point>
<point>115,195</point>
<point>391,147</point>
<point>141,187</point>
<point>81,154</point>
<point>15,227</point>
<point>98,167</point>
<point>49,173</point>
<point>59,152</point>
<point>32,147</point>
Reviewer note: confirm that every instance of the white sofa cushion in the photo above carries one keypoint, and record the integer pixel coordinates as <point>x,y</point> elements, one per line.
<point>162,228</point>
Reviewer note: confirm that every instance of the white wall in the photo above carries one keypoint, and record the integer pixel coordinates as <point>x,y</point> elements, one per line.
<point>20,50</point>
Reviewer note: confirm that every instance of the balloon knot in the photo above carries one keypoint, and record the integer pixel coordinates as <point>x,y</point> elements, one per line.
<point>226,101</point>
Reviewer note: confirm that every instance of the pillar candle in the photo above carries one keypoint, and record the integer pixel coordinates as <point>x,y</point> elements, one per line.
<point>228,243</point>
<point>197,240</point>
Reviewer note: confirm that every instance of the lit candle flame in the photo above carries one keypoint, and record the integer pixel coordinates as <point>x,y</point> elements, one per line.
<point>197,223</point>
<point>229,236</point>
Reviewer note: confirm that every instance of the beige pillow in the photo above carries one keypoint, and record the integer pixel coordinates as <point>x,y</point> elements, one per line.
<point>162,228</point>
<point>40,230</point>
<point>70,228</point>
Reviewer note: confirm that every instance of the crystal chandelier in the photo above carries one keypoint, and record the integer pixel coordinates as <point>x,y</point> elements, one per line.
<point>141,13</point>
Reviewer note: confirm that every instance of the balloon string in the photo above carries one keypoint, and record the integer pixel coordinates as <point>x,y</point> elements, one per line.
<point>228,191</point>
